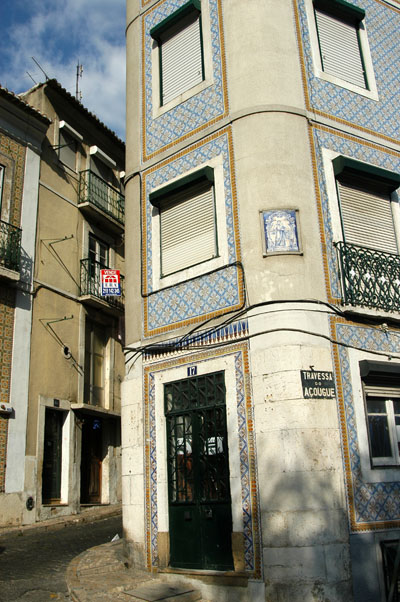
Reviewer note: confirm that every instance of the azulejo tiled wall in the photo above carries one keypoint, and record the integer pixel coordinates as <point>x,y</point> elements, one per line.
<point>371,505</point>
<point>206,295</point>
<point>361,151</point>
<point>247,455</point>
<point>382,24</point>
<point>198,111</point>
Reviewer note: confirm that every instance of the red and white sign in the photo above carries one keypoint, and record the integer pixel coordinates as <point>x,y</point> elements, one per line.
<point>110,282</point>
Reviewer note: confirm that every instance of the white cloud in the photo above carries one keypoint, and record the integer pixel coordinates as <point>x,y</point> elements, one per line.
<point>59,35</point>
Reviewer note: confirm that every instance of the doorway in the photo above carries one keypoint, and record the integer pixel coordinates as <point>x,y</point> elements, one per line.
<point>91,460</point>
<point>52,456</point>
<point>200,513</point>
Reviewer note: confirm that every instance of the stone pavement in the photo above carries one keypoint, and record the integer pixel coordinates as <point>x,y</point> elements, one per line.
<point>100,575</point>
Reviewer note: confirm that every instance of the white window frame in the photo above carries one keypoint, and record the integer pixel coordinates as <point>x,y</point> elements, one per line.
<point>158,108</point>
<point>2,170</point>
<point>371,472</point>
<point>208,265</point>
<point>372,90</point>
<point>334,203</point>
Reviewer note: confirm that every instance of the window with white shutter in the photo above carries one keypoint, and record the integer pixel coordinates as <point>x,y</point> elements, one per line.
<point>188,230</point>
<point>179,38</point>
<point>364,194</point>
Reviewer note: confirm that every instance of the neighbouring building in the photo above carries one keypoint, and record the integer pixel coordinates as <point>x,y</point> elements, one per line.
<point>67,453</point>
<point>22,130</point>
<point>261,403</point>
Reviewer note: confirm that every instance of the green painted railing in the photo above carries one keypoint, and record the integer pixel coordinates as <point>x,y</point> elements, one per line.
<point>91,283</point>
<point>10,246</point>
<point>370,278</point>
<point>93,189</point>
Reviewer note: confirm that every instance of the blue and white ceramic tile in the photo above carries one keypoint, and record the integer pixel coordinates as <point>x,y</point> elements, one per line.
<point>382,25</point>
<point>209,293</point>
<point>373,502</point>
<point>197,110</point>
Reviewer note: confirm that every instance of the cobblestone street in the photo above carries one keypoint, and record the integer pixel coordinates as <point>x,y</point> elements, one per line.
<point>33,561</point>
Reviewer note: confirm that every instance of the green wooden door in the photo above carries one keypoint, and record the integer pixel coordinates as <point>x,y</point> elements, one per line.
<point>200,515</point>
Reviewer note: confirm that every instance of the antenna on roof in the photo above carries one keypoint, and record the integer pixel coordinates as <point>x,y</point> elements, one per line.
<point>42,70</point>
<point>31,78</point>
<point>79,71</point>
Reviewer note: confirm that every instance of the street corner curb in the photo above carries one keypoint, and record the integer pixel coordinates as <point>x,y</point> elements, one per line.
<point>72,579</point>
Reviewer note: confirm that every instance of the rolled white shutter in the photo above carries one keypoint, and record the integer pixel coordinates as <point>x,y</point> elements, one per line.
<point>181,60</point>
<point>188,232</point>
<point>340,48</point>
<point>367,217</point>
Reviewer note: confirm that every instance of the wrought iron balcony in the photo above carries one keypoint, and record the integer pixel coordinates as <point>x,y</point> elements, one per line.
<point>10,246</point>
<point>94,191</point>
<point>91,286</point>
<point>370,278</point>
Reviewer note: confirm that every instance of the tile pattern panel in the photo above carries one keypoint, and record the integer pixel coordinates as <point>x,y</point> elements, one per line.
<point>371,505</point>
<point>199,110</point>
<point>382,24</point>
<point>249,491</point>
<point>209,294</point>
<point>361,151</point>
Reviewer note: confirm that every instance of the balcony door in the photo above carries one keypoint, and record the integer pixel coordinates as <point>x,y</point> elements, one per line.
<point>98,260</point>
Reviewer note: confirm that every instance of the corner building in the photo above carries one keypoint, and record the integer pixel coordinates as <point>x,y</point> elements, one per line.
<point>261,403</point>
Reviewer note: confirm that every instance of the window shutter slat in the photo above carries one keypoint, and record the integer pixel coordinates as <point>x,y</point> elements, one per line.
<point>367,217</point>
<point>340,48</point>
<point>181,61</point>
<point>188,234</point>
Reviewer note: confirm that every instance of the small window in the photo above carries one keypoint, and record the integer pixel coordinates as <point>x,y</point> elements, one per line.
<point>67,149</point>
<point>338,25</point>
<point>1,183</point>
<point>381,385</point>
<point>181,62</point>
<point>391,550</point>
<point>188,230</point>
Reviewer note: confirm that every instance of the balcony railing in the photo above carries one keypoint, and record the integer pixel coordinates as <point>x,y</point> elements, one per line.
<point>94,190</point>
<point>91,284</point>
<point>10,246</point>
<point>370,278</point>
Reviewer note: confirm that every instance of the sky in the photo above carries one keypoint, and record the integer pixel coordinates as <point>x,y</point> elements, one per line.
<point>59,35</point>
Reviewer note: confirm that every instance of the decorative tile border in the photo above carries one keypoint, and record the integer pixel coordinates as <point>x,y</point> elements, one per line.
<point>324,137</point>
<point>211,294</point>
<point>247,453</point>
<point>199,111</point>
<point>371,506</point>
<point>329,100</point>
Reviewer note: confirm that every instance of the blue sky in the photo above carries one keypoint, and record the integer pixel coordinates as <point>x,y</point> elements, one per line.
<point>58,35</point>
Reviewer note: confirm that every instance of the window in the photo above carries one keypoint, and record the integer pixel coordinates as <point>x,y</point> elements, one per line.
<point>68,139</point>
<point>95,356</point>
<point>364,193</point>
<point>390,556</point>
<point>338,25</point>
<point>180,50</point>
<point>1,183</point>
<point>381,384</point>
<point>98,260</point>
<point>339,45</point>
<point>188,230</point>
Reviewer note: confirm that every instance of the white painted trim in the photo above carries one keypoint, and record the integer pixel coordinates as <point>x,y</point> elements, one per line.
<point>159,109</point>
<point>97,152</point>
<point>206,266</point>
<point>19,384</point>
<point>64,125</point>
<point>372,91</point>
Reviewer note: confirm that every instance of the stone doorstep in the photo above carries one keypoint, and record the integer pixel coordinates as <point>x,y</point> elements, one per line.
<point>163,592</point>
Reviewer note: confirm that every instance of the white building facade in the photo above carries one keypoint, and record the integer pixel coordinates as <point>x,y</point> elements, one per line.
<point>261,402</point>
